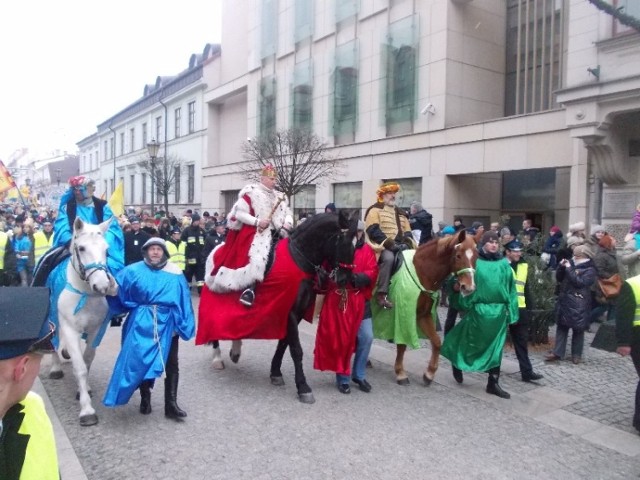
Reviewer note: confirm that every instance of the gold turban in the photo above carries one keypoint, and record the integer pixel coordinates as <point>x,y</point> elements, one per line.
<point>388,187</point>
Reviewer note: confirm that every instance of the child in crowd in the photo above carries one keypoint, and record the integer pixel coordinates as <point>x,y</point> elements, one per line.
<point>635,221</point>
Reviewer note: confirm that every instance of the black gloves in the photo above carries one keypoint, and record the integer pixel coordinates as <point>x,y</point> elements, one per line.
<point>360,280</point>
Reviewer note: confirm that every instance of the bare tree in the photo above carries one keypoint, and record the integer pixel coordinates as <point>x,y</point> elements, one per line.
<point>299,156</point>
<point>164,178</point>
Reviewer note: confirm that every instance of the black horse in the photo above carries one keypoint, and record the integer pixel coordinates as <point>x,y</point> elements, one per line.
<point>321,246</point>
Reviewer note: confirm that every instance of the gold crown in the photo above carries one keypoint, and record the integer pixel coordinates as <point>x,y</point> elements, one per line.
<point>268,171</point>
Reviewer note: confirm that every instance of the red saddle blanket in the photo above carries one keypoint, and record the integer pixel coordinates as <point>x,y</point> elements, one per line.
<point>221,316</point>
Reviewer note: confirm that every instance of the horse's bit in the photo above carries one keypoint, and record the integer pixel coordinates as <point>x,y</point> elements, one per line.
<point>95,267</point>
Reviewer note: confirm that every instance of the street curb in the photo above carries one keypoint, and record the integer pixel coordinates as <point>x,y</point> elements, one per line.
<point>68,462</point>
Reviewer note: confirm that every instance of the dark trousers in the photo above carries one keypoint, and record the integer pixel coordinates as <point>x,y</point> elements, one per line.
<point>519,332</point>
<point>450,322</point>
<point>635,356</point>
<point>172,361</point>
<point>385,264</point>
<point>197,270</point>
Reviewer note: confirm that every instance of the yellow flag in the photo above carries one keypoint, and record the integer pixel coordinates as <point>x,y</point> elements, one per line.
<point>6,181</point>
<point>116,202</point>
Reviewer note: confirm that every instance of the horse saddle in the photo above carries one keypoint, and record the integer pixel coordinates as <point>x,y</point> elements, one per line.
<point>398,260</point>
<point>47,263</point>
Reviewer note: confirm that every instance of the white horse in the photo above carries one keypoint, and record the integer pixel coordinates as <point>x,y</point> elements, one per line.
<point>82,307</point>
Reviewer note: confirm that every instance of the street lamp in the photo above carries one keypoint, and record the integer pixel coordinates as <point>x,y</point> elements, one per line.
<point>152,148</point>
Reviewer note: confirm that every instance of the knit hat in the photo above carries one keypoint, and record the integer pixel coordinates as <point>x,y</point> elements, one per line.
<point>442,224</point>
<point>195,217</point>
<point>448,230</point>
<point>489,236</point>
<point>582,251</point>
<point>156,241</point>
<point>554,229</point>
<point>476,225</point>
<point>331,207</point>
<point>573,241</point>
<point>596,228</point>
<point>577,227</point>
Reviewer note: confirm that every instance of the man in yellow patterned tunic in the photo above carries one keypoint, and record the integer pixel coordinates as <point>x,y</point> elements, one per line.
<point>388,232</point>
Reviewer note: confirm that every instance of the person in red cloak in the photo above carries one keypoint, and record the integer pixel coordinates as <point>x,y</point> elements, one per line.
<point>346,317</point>
<point>258,214</point>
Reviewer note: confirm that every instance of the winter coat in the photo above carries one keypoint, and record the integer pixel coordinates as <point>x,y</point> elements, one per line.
<point>574,300</point>
<point>552,246</point>
<point>606,263</point>
<point>631,257</point>
<point>422,221</point>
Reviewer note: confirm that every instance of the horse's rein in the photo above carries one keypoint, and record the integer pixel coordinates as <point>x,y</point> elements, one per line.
<point>82,269</point>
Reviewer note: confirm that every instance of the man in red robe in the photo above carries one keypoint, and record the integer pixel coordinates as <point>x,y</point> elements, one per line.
<point>258,214</point>
<point>343,318</point>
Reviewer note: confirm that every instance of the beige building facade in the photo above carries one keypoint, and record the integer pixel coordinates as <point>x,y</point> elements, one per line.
<point>479,108</point>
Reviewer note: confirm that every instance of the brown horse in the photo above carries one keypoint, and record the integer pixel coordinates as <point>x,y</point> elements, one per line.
<point>415,291</point>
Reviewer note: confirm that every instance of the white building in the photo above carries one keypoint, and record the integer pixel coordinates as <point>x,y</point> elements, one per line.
<point>172,113</point>
<point>478,107</point>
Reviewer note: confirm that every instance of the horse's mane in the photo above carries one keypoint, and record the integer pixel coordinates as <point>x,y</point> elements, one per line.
<point>319,224</point>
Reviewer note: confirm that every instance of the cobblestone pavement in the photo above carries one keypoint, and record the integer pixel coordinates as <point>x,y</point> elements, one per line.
<point>241,427</point>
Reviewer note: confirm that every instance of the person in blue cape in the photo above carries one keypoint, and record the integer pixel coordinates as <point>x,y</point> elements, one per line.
<point>156,295</point>
<point>77,202</point>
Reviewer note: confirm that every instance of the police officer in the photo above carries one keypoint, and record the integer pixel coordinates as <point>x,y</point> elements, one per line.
<point>193,235</point>
<point>27,445</point>
<point>519,331</point>
<point>628,331</point>
<point>176,248</point>
<point>214,238</point>
<point>133,242</point>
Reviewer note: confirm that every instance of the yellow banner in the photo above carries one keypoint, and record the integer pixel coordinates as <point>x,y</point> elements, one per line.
<point>6,181</point>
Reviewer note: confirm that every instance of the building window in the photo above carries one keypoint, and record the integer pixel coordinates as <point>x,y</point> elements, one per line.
<point>410,191</point>
<point>112,186</point>
<point>132,189</point>
<point>191,183</point>
<point>176,184</point>
<point>121,143</point>
<point>304,201</point>
<point>112,147</point>
<point>192,117</point>
<point>344,98</point>
<point>267,106</point>
<point>269,28</point>
<point>628,7</point>
<point>144,188</point>
<point>158,128</point>
<point>346,9</point>
<point>132,139</point>
<point>535,45</point>
<point>229,199</point>
<point>303,19</point>
<point>90,161</point>
<point>105,188</point>
<point>144,135</point>
<point>106,150</point>
<point>348,196</point>
<point>399,62</point>
<point>178,118</point>
<point>301,103</point>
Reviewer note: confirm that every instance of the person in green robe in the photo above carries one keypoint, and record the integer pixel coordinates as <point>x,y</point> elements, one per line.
<point>475,344</point>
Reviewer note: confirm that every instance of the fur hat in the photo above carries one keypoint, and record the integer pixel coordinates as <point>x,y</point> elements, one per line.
<point>573,241</point>
<point>576,227</point>
<point>388,187</point>
<point>582,251</point>
<point>596,228</point>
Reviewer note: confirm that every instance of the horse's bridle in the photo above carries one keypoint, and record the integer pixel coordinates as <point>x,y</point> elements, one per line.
<point>82,269</point>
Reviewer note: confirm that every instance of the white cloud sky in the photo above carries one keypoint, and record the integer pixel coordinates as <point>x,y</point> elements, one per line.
<point>68,65</point>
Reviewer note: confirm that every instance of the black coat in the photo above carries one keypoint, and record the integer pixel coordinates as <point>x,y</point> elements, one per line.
<point>133,243</point>
<point>574,300</point>
<point>422,221</point>
<point>193,236</point>
<point>211,242</point>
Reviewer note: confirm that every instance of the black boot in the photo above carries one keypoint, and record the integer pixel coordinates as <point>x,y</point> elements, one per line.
<point>457,374</point>
<point>171,408</point>
<point>494,388</point>
<point>145,397</point>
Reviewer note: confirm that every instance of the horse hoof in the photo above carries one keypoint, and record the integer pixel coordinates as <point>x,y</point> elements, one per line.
<point>57,375</point>
<point>65,354</point>
<point>278,381</point>
<point>404,382</point>
<point>234,357</point>
<point>217,365</point>
<point>88,420</point>
<point>89,392</point>
<point>307,398</point>
<point>427,380</point>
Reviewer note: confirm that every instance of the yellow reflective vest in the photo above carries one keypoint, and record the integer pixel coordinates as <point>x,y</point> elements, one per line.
<point>4,239</point>
<point>40,245</point>
<point>521,280</point>
<point>176,254</point>
<point>634,282</point>
<point>40,457</point>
